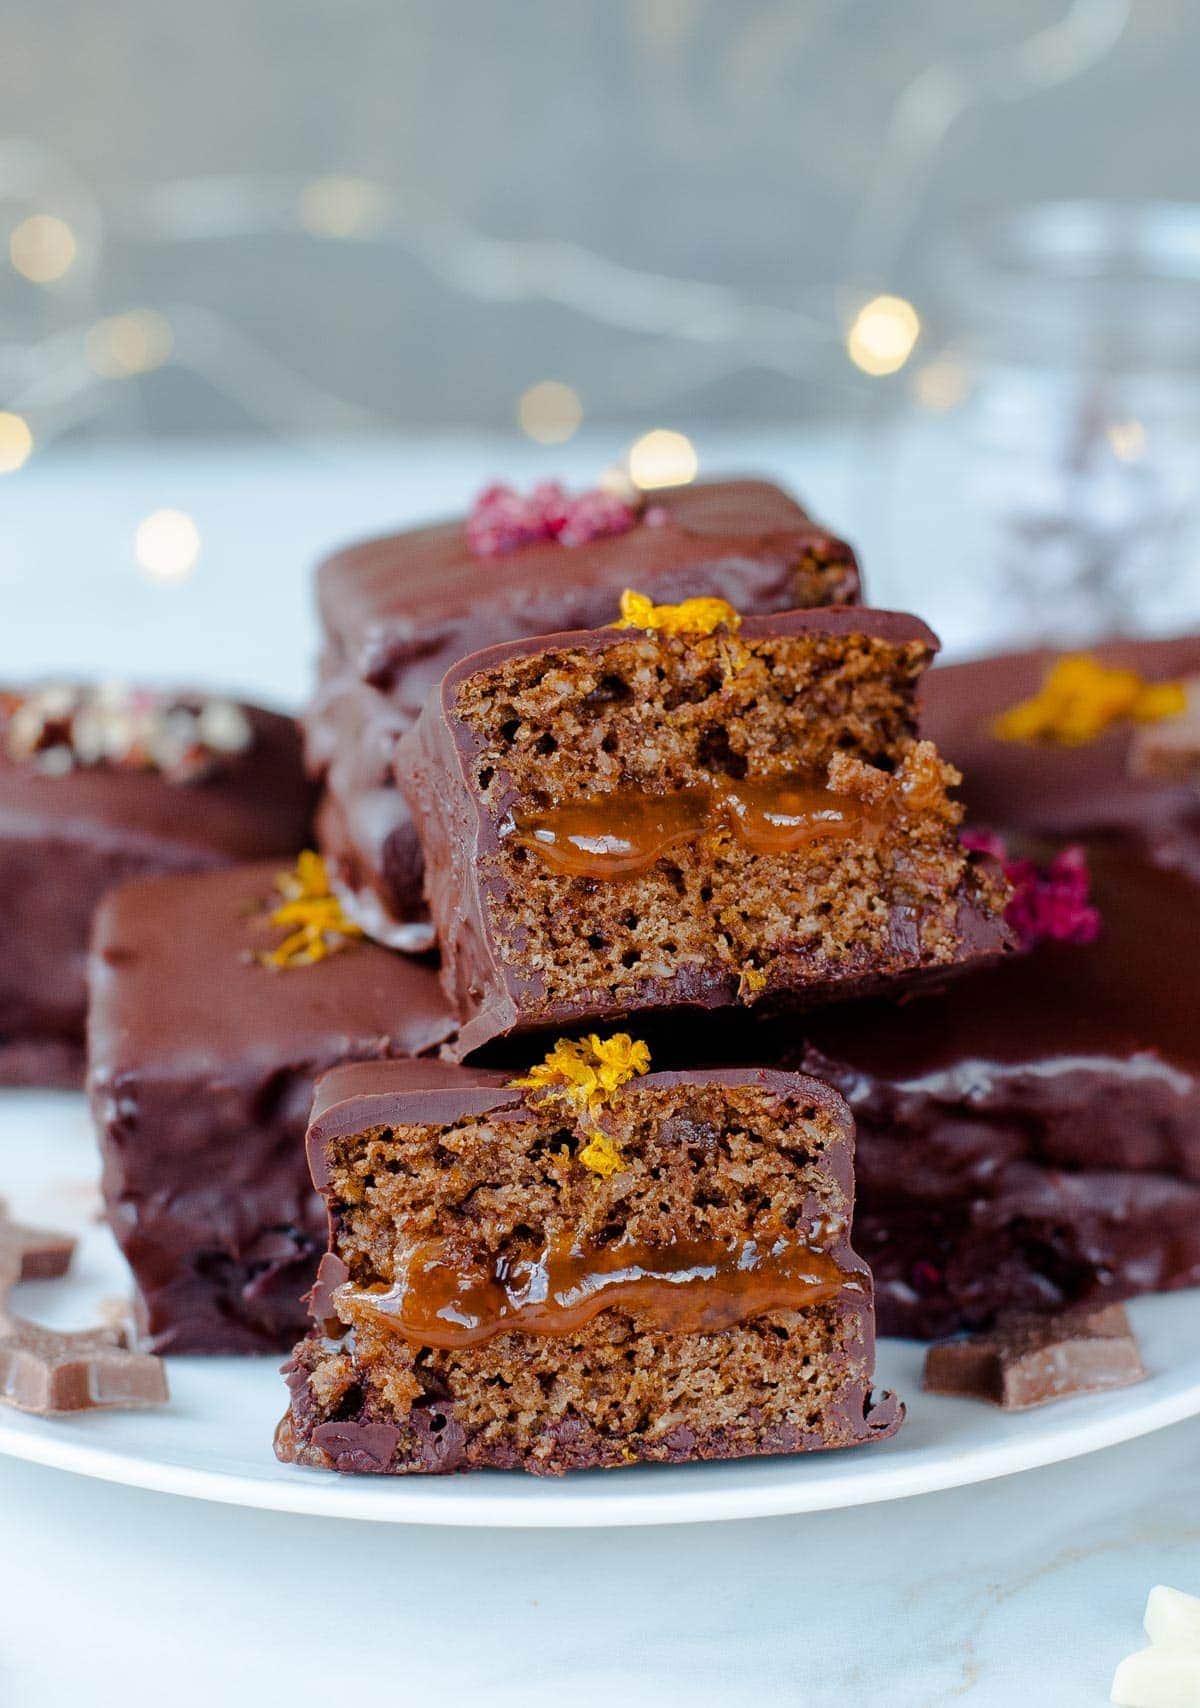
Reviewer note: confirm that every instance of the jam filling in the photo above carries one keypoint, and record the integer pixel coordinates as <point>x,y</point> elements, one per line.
<point>449,1295</point>
<point>619,834</point>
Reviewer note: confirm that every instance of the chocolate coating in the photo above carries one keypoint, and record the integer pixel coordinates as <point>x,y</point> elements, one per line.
<point>1033,1138</point>
<point>202,1064</point>
<point>1053,789</point>
<point>396,613</point>
<point>1032,1360</point>
<point>437,764</point>
<point>66,840</point>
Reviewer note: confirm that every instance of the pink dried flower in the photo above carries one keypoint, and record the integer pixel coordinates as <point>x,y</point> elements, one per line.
<point>502,519</point>
<point>1050,904</point>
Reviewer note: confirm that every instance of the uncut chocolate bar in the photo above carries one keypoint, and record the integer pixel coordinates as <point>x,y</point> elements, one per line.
<point>397,612</point>
<point>101,785</point>
<point>209,1025</point>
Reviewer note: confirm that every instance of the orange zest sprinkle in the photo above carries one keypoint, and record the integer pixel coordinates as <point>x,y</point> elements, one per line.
<point>312,915</point>
<point>585,1074</point>
<point>699,616</point>
<point>751,980</point>
<point>1081,697</point>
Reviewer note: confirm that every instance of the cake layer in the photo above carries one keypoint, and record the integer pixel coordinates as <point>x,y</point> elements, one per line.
<point>202,1064</point>
<point>518,1280</point>
<point>396,613</point>
<point>631,819</point>
<point>74,823</point>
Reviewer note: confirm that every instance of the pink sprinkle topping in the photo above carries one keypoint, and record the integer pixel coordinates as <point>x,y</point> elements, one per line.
<point>1050,904</point>
<point>502,519</point>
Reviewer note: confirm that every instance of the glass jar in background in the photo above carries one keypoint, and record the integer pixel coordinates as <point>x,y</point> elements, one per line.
<point>1042,482</point>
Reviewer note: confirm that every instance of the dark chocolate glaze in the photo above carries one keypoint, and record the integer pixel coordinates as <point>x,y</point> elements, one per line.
<point>397,612</point>
<point>430,1437</point>
<point>202,1064</point>
<point>495,999</point>
<point>1032,1137</point>
<point>65,840</point>
<point>1046,787</point>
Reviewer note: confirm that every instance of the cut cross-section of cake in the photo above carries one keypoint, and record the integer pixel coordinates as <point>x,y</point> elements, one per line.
<point>590,1266</point>
<point>691,810</point>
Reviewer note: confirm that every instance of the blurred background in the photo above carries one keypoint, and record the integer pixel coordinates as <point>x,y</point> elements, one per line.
<point>938,264</point>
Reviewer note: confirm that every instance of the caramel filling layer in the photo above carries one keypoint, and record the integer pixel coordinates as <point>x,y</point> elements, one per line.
<point>450,1296</point>
<point>616,835</point>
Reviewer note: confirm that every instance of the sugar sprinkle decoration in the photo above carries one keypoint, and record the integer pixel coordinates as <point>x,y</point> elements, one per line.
<point>1081,697</point>
<point>1049,904</point>
<point>503,519</point>
<point>586,1074</point>
<point>60,727</point>
<point>312,915</point>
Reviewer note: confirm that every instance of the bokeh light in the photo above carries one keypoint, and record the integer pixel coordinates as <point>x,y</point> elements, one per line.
<point>42,248</point>
<point>1127,440</point>
<point>883,335</point>
<point>16,441</point>
<point>941,384</point>
<point>341,206</point>
<point>127,344</point>
<point>549,412</point>
<point>662,458</point>
<point>167,545</point>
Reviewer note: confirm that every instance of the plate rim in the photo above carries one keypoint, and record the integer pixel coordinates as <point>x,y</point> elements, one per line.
<point>552,1503</point>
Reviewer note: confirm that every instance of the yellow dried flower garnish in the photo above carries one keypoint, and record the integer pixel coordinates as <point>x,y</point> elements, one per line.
<point>585,1072</point>
<point>1081,697</point>
<point>601,1155</point>
<point>699,616</point>
<point>312,915</point>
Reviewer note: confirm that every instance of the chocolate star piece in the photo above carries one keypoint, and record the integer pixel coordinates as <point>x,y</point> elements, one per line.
<point>1029,1360</point>
<point>44,1370</point>
<point>48,1370</point>
<point>31,1254</point>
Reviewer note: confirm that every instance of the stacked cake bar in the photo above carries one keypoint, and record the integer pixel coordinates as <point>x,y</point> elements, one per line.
<point>686,807</point>
<point>396,613</point>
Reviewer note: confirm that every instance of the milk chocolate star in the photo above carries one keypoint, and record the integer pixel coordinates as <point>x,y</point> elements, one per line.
<point>50,1370</point>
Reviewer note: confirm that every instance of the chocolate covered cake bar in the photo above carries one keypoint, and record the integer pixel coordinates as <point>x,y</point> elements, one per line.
<point>216,1002</point>
<point>396,613</point>
<point>689,810</point>
<point>1064,745</point>
<point>101,785</point>
<point>1032,1138</point>
<point>581,1268</point>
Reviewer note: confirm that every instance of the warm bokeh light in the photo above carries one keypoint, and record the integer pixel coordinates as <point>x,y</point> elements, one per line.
<point>339,206</point>
<point>16,442</point>
<point>1127,440</point>
<point>127,344</point>
<point>549,412</point>
<point>167,545</point>
<point>662,458</point>
<point>42,248</point>
<point>941,384</point>
<point>883,335</point>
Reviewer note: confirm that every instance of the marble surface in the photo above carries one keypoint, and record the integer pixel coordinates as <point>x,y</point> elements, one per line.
<point>1027,1590</point>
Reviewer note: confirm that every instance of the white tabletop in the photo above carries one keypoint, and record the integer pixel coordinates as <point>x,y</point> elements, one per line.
<point>1024,1591</point>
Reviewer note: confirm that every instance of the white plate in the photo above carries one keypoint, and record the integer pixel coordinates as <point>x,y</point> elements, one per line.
<point>213,1442</point>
